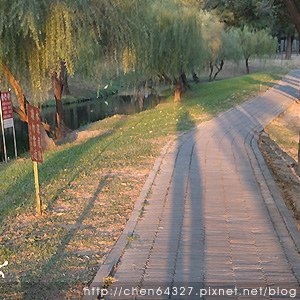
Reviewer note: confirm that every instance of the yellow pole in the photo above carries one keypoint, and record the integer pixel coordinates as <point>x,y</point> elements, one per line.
<point>37,188</point>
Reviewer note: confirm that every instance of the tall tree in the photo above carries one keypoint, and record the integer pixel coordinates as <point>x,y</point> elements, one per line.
<point>170,44</point>
<point>293,6</point>
<point>229,50</point>
<point>254,13</point>
<point>42,40</point>
<point>256,44</point>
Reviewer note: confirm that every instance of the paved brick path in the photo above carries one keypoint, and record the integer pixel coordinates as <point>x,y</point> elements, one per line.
<point>206,221</point>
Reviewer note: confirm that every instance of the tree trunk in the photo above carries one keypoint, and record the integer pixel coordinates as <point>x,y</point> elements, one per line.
<point>177,91</point>
<point>219,68</point>
<point>47,143</point>
<point>140,101</point>
<point>21,109</point>
<point>294,12</point>
<point>196,78</point>
<point>288,53</point>
<point>64,78</point>
<point>211,67</point>
<point>184,82</point>
<point>247,65</point>
<point>58,90</point>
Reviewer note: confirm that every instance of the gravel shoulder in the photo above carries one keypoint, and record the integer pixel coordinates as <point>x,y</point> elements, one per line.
<point>279,145</point>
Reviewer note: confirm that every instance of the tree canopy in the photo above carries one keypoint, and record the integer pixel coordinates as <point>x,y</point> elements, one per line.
<point>142,39</point>
<point>37,35</point>
<point>256,43</point>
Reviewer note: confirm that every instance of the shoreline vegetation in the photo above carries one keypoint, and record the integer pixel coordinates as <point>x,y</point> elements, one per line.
<point>91,92</point>
<point>113,84</point>
<point>89,188</point>
<point>279,145</point>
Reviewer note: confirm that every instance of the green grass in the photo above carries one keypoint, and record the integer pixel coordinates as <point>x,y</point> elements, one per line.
<point>89,189</point>
<point>285,136</point>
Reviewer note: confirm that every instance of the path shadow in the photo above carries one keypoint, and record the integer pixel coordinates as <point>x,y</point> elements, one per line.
<point>41,283</point>
<point>51,169</point>
<point>238,126</point>
<point>182,222</point>
<point>183,215</point>
<point>38,282</point>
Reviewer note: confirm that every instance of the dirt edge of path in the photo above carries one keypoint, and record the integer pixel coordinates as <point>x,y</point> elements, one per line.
<point>285,173</point>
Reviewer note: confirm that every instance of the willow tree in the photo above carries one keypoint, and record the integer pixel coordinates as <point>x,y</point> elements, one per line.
<point>173,44</point>
<point>293,7</point>
<point>228,50</point>
<point>212,33</point>
<point>42,40</point>
<point>256,44</point>
<point>20,38</point>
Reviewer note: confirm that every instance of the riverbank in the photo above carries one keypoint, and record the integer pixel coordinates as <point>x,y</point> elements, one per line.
<point>89,188</point>
<point>83,90</point>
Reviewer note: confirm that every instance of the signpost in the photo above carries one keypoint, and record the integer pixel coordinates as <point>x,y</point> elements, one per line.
<point>36,150</point>
<point>7,119</point>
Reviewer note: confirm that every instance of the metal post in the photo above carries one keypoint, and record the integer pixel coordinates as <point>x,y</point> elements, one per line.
<point>3,134</point>
<point>15,141</point>
<point>37,188</point>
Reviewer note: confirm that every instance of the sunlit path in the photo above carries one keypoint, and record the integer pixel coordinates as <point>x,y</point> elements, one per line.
<point>207,223</point>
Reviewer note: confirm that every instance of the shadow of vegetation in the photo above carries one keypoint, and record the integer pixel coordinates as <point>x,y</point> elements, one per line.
<point>287,89</point>
<point>224,100</point>
<point>51,170</point>
<point>41,284</point>
<point>185,122</point>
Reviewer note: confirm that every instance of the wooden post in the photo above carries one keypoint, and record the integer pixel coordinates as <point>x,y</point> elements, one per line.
<point>36,150</point>
<point>37,188</point>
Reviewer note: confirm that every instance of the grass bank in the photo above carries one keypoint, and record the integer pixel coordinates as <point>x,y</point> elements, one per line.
<point>280,149</point>
<point>89,188</point>
<point>284,130</point>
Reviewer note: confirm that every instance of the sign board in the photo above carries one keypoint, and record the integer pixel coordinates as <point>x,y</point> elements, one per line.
<point>7,119</point>
<point>34,130</point>
<point>7,110</point>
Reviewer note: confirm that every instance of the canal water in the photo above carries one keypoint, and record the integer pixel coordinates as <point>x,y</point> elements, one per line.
<point>76,115</point>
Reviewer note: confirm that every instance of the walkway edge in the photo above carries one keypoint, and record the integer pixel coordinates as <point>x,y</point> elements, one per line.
<point>276,195</point>
<point>116,252</point>
<point>112,259</point>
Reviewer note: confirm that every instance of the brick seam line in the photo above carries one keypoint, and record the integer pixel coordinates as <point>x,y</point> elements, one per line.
<point>275,193</point>
<point>273,201</point>
<point>271,195</point>
<point>159,219</point>
<point>115,254</point>
<point>269,182</point>
<point>269,200</point>
<point>269,190</point>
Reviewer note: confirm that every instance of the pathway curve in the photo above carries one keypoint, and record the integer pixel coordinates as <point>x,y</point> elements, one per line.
<point>210,220</point>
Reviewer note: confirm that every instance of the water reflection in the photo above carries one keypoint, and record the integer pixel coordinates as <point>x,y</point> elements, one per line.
<point>76,115</point>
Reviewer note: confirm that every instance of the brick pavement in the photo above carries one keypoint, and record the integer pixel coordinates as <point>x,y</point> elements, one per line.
<point>207,220</point>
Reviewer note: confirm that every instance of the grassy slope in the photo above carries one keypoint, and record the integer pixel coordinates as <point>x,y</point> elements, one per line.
<point>285,136</point>
<point>89,188</point>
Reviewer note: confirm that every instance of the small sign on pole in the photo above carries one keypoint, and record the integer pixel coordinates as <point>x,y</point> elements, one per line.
<point>36,150</point>
<point>7,119</point>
